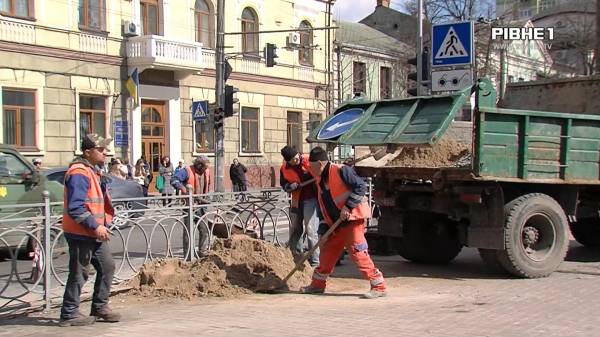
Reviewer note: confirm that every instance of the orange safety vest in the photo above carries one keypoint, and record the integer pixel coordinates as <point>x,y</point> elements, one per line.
<point>290,174</point>
<point>99,205</point>
<point>340,192</point>
<point>195,182</point>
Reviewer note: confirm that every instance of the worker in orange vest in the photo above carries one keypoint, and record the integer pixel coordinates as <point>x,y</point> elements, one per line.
<point>303,211</point>
<point>86,222</point>
<point>341,193</point>
<point>198,176</point>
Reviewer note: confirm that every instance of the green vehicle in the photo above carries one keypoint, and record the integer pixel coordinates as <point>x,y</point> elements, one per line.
<point>21,184</point>
<point>530,177</point>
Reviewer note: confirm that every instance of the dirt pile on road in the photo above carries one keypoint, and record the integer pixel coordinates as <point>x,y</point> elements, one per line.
<point>239,265</point>
<point>446,153</point>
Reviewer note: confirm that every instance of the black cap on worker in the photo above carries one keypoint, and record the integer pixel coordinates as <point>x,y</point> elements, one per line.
<point>288,152</point>
<point>318,154</point>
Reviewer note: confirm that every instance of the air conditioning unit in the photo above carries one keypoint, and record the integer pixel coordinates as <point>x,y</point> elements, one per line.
<point>293,39</point>
<point>130,29</point>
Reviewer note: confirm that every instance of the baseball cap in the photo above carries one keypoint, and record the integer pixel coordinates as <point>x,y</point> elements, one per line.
<point>92,141</point>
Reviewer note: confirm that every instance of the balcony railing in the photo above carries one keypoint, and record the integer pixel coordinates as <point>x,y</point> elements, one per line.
<point>154,51</point>
<point>17,32</point>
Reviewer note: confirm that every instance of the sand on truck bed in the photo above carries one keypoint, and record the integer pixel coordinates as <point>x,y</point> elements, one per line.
<point>446,153</point>
<point>235,266</point>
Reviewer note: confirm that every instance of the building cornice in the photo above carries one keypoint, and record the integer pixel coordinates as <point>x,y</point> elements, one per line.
<point>60,53</point>
<point>266,79</point>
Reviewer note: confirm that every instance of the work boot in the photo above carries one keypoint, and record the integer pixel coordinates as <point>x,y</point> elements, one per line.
<point>312,290</point>
<point>78,320</point>
<point>374,293</point>
<point>106,314</point>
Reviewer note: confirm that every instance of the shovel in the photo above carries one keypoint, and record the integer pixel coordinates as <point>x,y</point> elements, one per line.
<point>300,264</point>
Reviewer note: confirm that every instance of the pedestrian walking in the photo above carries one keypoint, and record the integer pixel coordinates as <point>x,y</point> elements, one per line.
<point>37,164</point>
<point>129,175</point>
<point>341,194</point>
<point>165,174</point>
<point>116,169</point>
<point>303,209</point>
<point>141,175</point>
<point>237,173</point>
<point>198,176</point>
<point>86,222</point>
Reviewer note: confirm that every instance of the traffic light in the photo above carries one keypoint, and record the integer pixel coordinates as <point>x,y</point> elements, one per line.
<point>230,101</point>
<point>424,71</point>
<point>270,54</point>
<point>218,118</point>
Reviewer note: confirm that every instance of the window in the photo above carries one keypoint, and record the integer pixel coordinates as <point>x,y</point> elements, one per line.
<point>203,19</point>
<point>13,167</point>
<point>385,81</point>
<point>305,52</point>
<point>18,108</point>
<point>149,9</point>
<point>314,120</point>
<point>249,24</point>
<point>91,14</point>
<point>359,76</point>
<point>250,129</point>
<point>92,115</point>
<point>294,130</point>
<point>18,8</point>
<point>205,136</point>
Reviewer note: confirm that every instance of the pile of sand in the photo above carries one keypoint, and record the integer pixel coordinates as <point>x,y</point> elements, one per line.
<point>235,266</point>
<point>446,153</point>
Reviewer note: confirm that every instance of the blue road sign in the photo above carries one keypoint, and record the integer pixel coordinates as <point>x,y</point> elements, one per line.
<point>452,44</point>
<point>199,111</point>
<point>340,123</point>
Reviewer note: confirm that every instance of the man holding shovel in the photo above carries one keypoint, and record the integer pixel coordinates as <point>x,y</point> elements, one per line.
<point>87,218</point>
<point>295,178</point>
<point>342,203</point>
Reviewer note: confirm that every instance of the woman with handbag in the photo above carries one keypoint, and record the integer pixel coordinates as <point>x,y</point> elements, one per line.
<point>163,181</point>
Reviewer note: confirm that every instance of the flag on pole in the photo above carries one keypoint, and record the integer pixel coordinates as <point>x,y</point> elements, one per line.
<point>132,86</point>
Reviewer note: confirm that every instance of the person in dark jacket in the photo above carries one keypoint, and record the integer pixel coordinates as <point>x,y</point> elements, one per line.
<point>237,173</point>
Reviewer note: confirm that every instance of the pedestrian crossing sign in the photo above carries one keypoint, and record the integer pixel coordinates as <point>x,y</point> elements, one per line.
<point>199,111</point>
<point>452,44</point>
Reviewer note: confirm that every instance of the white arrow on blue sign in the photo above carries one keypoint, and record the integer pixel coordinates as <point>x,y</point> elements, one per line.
<point>340,123</point>
<point>199,111</point>
<point>452,44</point>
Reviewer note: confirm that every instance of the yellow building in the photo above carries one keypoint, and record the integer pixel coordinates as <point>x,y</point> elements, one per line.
<point>64,63</point>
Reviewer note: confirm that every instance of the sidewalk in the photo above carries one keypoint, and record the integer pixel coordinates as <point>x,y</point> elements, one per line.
<point>455,300</point>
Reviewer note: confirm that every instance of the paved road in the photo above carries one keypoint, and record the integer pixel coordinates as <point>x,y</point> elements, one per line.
<point>460,299</point>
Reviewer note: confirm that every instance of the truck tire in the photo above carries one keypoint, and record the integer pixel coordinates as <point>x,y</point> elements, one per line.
<point>586,231</point>
<point>535,236</point>
<point>431,242</point>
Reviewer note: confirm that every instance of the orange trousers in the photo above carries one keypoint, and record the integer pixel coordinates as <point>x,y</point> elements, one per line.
<point>351,236</point>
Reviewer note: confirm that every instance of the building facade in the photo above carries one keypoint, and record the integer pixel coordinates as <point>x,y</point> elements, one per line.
<point>523,9</point>
<point>64,65</point>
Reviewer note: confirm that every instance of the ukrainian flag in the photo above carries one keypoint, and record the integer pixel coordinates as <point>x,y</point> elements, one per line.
<point>132,85</point>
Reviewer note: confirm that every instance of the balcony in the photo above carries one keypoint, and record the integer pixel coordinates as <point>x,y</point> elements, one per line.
<point>159,52</point>
<point>17,32</point>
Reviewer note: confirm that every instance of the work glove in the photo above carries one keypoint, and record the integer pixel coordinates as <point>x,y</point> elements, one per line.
<point>291,187</point>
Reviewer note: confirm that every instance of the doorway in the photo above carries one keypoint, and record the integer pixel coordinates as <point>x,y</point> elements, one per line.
<point>154,144</point>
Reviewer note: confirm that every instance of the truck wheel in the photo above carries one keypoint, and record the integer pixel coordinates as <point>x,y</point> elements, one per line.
<point>434,242</point>
<point>586,231</point>
<point>535,236</point>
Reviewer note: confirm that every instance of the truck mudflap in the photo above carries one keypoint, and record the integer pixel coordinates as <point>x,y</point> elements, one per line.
<point>410,121</point>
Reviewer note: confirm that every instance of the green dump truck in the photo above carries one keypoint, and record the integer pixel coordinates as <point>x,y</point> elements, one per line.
<point>526,179</point>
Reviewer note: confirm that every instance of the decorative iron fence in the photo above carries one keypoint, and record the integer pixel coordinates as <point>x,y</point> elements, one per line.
<point>34,264</point>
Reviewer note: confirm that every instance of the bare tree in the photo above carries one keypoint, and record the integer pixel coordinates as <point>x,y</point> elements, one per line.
<point>439,11</point>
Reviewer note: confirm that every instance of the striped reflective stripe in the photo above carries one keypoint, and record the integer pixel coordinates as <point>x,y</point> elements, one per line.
<point>378,279</point>
<point>341,197</point>
<point>94,200</point>
<point>82,217</point>
<point>355,196</point>
<point>319,276</point>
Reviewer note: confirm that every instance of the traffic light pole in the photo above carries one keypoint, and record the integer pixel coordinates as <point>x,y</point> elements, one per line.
<point>420,49</point>
<point>219,95</point>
